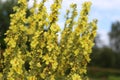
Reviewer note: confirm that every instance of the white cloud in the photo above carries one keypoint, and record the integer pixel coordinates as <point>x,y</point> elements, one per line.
<point>106,4</point>
<point>104,37</point>
<point>101,4</point>
<point>30,3</point>
<point>115,18</point>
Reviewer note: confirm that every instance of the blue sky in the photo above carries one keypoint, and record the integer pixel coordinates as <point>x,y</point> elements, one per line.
<point>106,11</point>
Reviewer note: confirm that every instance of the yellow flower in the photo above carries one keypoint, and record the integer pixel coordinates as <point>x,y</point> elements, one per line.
<point>42,75</point>
<point>55,28</point>
<point>68,21</point>
<point>18,69</point>
<point>27,40</point>
<point>11,78</point>
<point>83,70</point>
<point>30,31</point>
<point>38,65</point>
<point>50,47</point>
<point>1,76</point>
<point>54,65</point>
<point>10,74</point>
<point>87,57</point>
<point>23,28</point>
<point>76,52</point>
<point>14,62</point>
<point>52,77</point>
<point>73,5</point>
<point>31,78</point>
<point>34,43</point>
<point>76,77</point>
<point>12,43</point>
<point>47,59</point>
<point>17,63</point>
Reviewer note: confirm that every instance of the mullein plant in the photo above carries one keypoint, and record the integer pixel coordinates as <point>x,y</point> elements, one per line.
<point>33,50</point>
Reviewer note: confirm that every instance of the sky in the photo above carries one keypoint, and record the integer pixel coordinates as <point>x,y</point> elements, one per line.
<point>106,11</point>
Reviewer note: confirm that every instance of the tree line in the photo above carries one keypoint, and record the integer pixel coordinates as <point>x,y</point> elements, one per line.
<point>108,56</point>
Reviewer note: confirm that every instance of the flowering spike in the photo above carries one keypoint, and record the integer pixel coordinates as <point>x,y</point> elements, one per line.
<point>33,51</point>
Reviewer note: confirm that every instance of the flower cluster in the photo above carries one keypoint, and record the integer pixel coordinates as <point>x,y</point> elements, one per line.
<point>33,51</point>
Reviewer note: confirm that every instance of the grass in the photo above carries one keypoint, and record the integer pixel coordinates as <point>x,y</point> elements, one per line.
<point>109,78</point>
<point>96,73</point>
<point>114,78</point>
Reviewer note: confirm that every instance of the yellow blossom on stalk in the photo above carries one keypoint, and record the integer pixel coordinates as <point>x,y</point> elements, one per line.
<point>54,65</point>
<point>14,62</point>
<point>34,50</point>
<point>68,21</point>
<point>42,75</point>
<point>10,74</point>
<point>52,77</point>
<point>76,52</point>
<point>31,78</point>
<point>83,71</point>
<point>50,47</point>
<point>55,28</point>
<point>76,77</point>
<point>17,64</point>
<point>38,65</point>
<point>12,43</point>
<point>1,75</point>
<point>47,59</point>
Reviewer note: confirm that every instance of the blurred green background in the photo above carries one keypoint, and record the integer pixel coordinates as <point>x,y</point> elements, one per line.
<point>104,63</point>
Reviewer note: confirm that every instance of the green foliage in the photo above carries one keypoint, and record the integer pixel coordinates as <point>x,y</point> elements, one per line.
<point>114,78</point>
<point>33,51</point>
<point>115,36</point>
<point>5,11</point>
<point>105,57</point>
<point>103,73</point>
